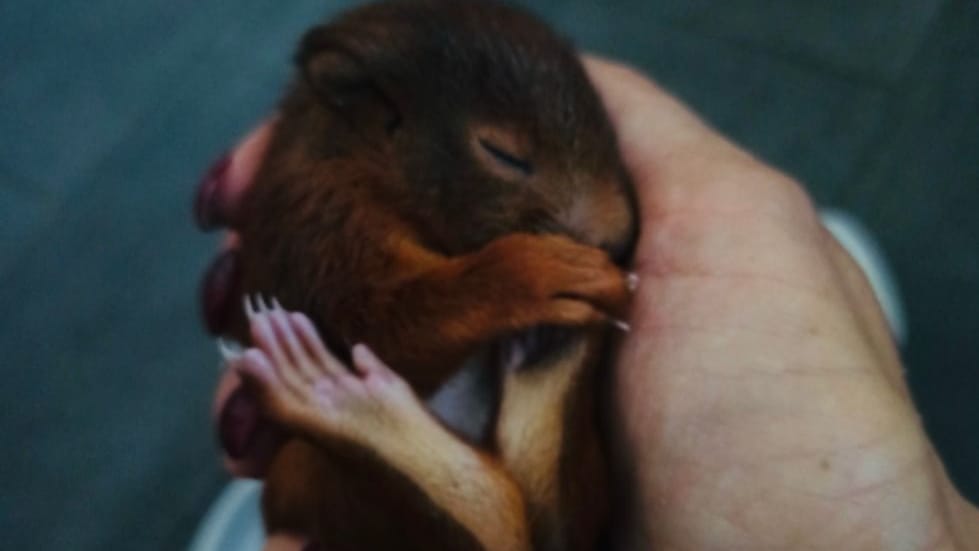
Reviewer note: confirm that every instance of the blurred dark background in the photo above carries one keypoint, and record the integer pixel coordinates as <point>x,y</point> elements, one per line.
<point>109,111</point>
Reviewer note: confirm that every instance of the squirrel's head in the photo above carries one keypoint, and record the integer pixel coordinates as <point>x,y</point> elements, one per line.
<point>468,120</point>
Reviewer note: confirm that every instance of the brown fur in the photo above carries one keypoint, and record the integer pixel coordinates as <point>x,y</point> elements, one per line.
<point>380,214</point>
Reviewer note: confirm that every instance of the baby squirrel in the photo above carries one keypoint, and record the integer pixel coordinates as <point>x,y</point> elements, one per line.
<point>441,180</point>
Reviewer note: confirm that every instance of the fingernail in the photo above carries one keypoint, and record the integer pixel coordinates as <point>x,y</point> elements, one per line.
<point>219,286</point>
<point>621,325</point>
<point>237,424</point>
<point>207,211</point>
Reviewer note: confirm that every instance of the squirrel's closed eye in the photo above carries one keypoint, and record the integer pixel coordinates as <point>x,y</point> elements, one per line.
<point>507,159</point>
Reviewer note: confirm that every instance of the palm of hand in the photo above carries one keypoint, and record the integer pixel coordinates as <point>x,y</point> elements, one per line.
<point>759,398</point>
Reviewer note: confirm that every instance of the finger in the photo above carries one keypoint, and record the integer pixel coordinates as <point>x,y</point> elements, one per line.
<point>651,122</point>
<point>218,199</point>
<point>310,338</point>
<point>367,363</point>
<point>249,152</point>
<point>677,162</point>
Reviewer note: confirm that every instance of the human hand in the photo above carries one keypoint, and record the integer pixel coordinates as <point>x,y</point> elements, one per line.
<point>759,400</point>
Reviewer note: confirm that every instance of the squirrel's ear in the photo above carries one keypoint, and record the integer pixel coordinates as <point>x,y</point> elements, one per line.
<point>344,83</point>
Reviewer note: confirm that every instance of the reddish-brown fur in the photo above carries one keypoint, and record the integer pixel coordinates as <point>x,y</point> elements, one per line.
<point>379,213</point>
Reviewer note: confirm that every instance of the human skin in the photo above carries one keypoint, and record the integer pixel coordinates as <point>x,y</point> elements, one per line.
<point>759,401</point>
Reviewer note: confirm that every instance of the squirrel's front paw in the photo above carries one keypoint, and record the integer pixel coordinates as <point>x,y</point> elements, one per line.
<point>551,279</point>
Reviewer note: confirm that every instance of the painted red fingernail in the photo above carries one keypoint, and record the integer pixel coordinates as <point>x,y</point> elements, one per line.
<point>207,210</point>
<point>219,292</point>
<point>238,423</point>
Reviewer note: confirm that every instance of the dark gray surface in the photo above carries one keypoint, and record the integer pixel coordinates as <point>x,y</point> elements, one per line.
<point>109,111</point>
